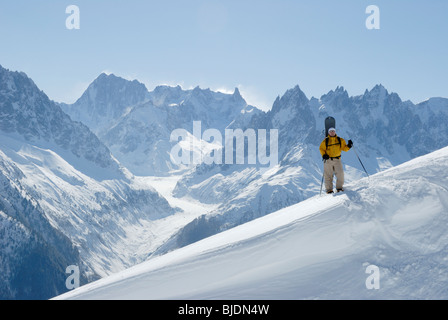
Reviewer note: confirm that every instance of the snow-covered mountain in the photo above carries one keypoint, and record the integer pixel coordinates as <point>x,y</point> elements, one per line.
<point>386,132</point>
<point>98,187</point>
<point>385,238</point>
<point>33,254</point>
<point>28,113</point>
<point>141,138</point>
<point>136,125</point>
<point>65,200</point>
<point>105,101</point>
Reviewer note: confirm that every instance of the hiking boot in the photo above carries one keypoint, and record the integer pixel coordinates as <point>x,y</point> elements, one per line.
<point>330,191</point>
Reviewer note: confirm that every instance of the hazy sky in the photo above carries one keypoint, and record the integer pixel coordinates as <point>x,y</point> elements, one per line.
<point>263,47</point>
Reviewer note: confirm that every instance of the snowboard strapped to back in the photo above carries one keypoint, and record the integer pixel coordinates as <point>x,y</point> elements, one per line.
<point>330,122</point>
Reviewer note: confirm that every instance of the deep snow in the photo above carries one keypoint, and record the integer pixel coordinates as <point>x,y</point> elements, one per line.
<point>320,248</point>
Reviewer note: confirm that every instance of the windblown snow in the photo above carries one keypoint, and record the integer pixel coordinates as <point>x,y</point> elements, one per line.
<point>321,248</point>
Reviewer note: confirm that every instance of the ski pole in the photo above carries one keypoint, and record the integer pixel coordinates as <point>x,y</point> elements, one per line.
<point>322,183</point>
<point>361,162</point>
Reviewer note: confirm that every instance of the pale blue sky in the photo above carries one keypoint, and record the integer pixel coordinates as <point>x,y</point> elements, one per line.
<point>263,47</point>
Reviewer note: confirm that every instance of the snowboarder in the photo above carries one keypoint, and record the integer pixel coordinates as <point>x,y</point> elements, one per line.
<point>331,149</point>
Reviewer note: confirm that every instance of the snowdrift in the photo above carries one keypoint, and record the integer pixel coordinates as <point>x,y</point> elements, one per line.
<point>321,248</point>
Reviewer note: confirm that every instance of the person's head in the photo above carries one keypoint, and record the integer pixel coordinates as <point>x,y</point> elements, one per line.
<point>332,132</point>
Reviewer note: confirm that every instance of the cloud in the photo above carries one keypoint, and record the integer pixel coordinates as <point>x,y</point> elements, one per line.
<point>224,90</point>
<point>107,72</point>
<point>255,97</point>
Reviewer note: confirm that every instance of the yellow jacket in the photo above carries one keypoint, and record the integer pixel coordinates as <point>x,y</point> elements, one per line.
<point>334,149</point>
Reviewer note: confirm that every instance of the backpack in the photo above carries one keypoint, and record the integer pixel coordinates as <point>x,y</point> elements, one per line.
<point>328,139</point>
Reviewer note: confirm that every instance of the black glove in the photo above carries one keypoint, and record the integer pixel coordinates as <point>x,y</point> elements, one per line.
<point>325,157</point>
<point>350,144</point>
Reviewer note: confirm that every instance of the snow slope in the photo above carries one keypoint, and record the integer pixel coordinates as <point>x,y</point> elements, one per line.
<point>317,249</point>
<point>64,198</point>
<point>386,132</point>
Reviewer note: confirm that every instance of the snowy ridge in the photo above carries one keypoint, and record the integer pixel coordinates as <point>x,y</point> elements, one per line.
<point>106,217</point>
<point>28,114</point>
<point>136,124</point>
<point>69,192</point>
<point>105,100</point>
<point>386,132</point>
<point>317,249</point>
<point>65,200</point>
<point>29,244</point>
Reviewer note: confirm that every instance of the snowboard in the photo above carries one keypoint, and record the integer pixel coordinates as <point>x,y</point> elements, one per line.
<point>330,122</point>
